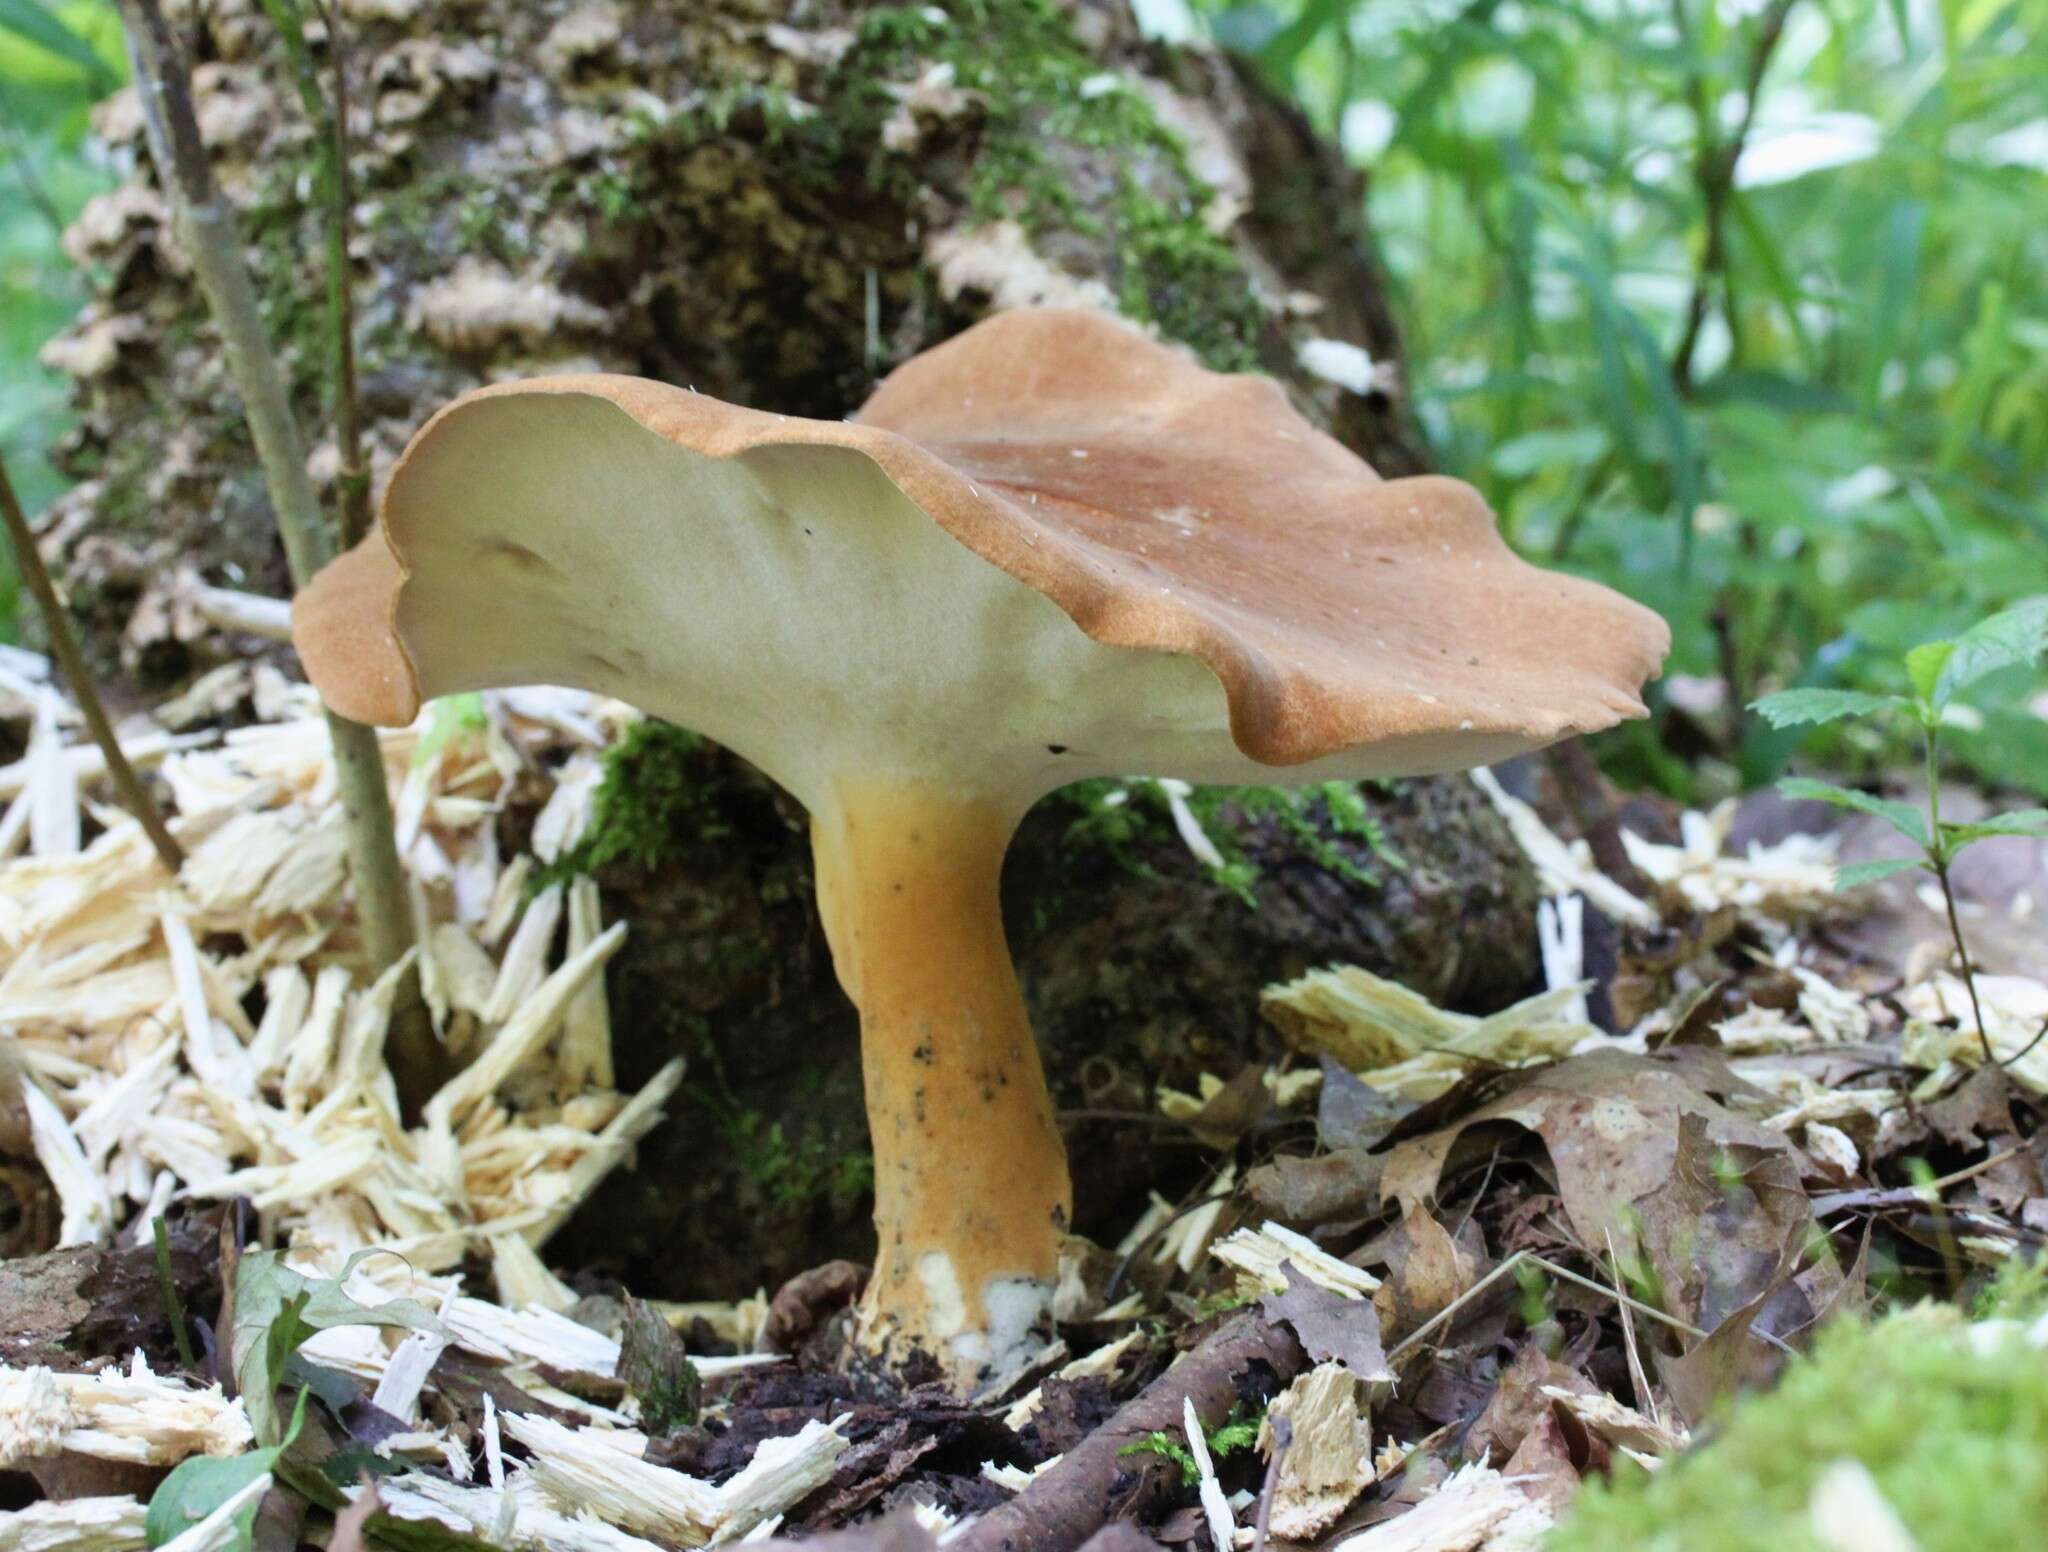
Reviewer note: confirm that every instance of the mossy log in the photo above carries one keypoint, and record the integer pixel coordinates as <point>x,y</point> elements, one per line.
<point>775,203</point>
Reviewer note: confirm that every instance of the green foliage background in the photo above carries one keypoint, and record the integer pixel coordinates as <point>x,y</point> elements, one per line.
<point>1850,459</point>
<point>56,61</point>
<point>1855,462</point>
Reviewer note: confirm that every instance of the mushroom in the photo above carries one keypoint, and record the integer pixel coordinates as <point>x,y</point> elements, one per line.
<point>1048,549</point>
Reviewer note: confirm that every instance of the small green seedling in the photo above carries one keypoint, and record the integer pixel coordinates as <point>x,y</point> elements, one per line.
<point>1237,1432</point>
<point>1938,672</point>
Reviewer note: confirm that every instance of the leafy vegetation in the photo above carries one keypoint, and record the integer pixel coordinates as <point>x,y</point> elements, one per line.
<point>1938,671</point>
<point>56,61</point>
<point>1765,357</point>
<point>1239,1431</point>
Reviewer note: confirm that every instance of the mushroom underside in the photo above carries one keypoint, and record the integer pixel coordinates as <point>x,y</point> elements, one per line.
<point>918,650</point>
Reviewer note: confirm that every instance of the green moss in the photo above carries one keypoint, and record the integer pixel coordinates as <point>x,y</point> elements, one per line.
<point>1039,88</point>
<point>1186,279</point>
<point>1053,142</point>
<point>1239,1431</point>
<point>1123,818</point>
<point>794,1171</point>
<point>1956,1436</point>
<point>649,806</point>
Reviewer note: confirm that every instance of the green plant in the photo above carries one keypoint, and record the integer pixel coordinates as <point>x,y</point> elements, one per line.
<point>1726,306</point>
<point>1239,1431</point>
<point>649,804</point>
<point>204,1483</point>
<point>1937,671</point>
<point>276,1309</point>
<point>56,61</point>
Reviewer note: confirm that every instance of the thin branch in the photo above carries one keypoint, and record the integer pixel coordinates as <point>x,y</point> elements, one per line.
<point>1283,1440</point>
<point>328,116</point>
<point>348,413</point>
<point>1938,854</point>
<point>64,647</point>
<point>207,226</point>
<point>1449,1311</point>
<point>1714,170</point>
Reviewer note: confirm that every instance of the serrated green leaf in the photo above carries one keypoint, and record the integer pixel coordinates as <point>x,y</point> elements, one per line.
<point>1791,708</point>
<point>202,1484</point>
<point>1856,874</point>
<point>1902,817</point>
<point>277,1309</point>
<point>2024,822</point>
<point>2013,638</point>
<point>1924,665</point>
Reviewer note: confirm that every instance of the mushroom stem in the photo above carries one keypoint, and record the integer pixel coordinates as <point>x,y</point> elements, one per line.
<point>972,1197</point>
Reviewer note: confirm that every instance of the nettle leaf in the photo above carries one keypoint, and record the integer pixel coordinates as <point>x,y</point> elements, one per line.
<point>1856,874</point>
<point>1792,708</point>
<point>1902,817</point>
<point>2025,821</point>
<point>2012,639</point>
<point>1924,667</point>
<point>277,1309</point>
<point>202,1484</point>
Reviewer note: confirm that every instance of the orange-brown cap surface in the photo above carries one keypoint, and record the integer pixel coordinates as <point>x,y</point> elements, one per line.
<point>737,570</point>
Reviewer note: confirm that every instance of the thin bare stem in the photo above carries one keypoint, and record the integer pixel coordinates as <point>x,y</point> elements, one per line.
<point>1283,1440</point>
<point>64,647</point>
<point>1450,1311</point>
<point>1714,171</point>
<point>1938,854</point>
<point>328,116</point>
<point>348,408</point>
<point>207,226</point>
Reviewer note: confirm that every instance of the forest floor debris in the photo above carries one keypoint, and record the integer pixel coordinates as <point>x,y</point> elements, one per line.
<point>1440,1270</point>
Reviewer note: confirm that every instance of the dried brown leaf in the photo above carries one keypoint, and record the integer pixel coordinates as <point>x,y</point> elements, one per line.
<point>1614,1127</point>
<point>1330,1327</point>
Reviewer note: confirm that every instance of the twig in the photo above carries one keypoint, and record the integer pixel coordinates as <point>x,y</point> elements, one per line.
<point>329,119</point>
<point>1094,1482</point>
<point>1714,169</point>
<point>64,647</point>
<point>207,226</point>
<point>1638,1376</point>
<point>1908,1196</point>
<point>1283,1437</point>
<point>1938,857</point>
<point>1648,1311</point>
<point>250,613</point>
<point>173,1305</point>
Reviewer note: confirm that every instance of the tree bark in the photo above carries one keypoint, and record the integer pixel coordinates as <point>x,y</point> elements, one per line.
<point>776,203</point>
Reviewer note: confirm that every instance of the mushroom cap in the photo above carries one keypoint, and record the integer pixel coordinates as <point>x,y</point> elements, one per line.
<point>1050,547</point>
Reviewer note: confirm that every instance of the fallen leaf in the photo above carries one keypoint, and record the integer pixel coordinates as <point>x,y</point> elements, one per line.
<point>1427,1270</point>
<point>1715,1231</point>
<point>1520,1403</point>
<point>1331,1327</point>
<point>1307,1192</point>
<point>1613,1125</point>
